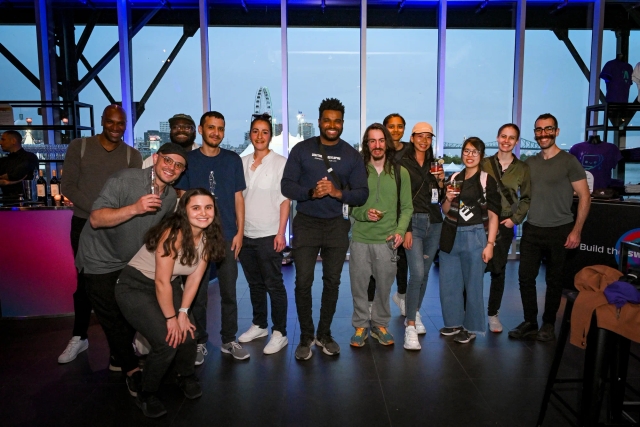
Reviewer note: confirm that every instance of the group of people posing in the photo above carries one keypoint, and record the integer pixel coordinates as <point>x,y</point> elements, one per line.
<point>145,236</point>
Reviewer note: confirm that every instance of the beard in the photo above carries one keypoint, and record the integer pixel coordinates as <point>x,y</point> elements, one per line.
<point>191,137</point>
<point>551,140</point>
<point>323,133</point>
<point>211,143</point>
<point>380,155</point>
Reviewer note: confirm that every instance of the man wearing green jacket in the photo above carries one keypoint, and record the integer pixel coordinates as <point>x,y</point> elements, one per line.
<point>379,227</point>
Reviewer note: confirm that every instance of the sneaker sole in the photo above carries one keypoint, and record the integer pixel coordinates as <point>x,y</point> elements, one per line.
<point>262,335</point>
<point>199,362</point>
<point>448,334</point>
<point>495,331</point>
<point>471,337</point>
<point>356,344</point>
<point>305,358</point>
<point>412,348</point>
<point>146,414</point>
<point>113,368</point>
<point>422,331</point>
<point>376,336</point>
<point>324,349</point>
<point>76,355</point>
<point>284,344</point>
<point>225,351</point>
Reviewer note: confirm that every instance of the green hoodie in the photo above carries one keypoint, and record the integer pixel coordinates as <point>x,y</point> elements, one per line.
<point>383,195</point>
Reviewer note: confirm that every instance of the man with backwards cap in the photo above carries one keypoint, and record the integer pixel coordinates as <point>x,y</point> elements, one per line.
<point>120,217</point>
<point>183,133</point>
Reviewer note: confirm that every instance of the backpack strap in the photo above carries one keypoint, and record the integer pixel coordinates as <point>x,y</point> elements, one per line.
<point>83,147</point>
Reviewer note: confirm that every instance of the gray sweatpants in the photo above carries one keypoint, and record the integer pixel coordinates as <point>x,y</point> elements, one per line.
<point>366,260</point>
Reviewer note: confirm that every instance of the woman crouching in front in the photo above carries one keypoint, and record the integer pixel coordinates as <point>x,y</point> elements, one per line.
<point>151,297</point>
<point>472,204</point>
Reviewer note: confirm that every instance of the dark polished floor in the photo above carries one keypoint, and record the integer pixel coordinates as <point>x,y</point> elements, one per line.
<point>493,381</point>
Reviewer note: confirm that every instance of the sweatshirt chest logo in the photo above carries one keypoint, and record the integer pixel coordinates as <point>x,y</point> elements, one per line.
<point>332,159</point>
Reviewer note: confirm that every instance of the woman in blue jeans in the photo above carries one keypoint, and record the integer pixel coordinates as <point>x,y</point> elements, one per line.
<point>423,235</point>
<point>471,205</point>
<point>156,303</point>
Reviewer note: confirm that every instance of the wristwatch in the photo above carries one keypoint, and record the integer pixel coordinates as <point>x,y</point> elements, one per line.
<point>183,310</point>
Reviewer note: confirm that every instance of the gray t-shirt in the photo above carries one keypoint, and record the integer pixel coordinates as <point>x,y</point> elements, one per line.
<point>104,250</point>
<point>551,189</point>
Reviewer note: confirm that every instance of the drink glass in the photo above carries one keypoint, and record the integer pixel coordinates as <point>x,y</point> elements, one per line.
<point>394,251</point>
<point>154,189</point>
<point>455,186</point>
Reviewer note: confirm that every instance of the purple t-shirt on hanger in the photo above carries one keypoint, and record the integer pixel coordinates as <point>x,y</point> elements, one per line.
<point>599,159</point>
<point>617,76</point>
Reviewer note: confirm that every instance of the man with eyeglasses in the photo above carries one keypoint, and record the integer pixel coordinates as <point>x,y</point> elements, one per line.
<point>182,132</point>
<point>221,172</point>
<point>550,229</point>
<point>121,215</point>
<point>88,163</point>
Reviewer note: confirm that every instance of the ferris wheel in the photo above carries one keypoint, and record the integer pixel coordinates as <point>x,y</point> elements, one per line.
<point>263,101</point>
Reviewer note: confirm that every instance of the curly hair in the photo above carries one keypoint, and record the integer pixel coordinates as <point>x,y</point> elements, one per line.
<point>178,223</point>
<point>332,104</point>
<point>389,149</point>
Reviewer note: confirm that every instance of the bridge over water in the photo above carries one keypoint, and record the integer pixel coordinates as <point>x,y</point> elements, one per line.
<point>525,144</point>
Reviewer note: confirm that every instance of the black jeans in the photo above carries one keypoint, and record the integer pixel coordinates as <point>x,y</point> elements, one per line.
<point>401,275</point>
<point>227,278</point>
<point>538,243</point>
<point>136,296</point>
<point>199,307</point>
<point>497,267</point>
<point>262,267</point>
<point>101,292</point>
<point>81,303</point>
<point>330,237</point>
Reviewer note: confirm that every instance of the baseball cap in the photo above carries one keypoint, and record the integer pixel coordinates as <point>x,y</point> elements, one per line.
<point>172,148</point>
<point>422,127</point>
<point>182,117</point>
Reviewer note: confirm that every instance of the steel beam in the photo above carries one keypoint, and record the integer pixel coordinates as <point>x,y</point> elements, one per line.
<point>113,51</point>
<point>126,67</point>
<point>188,32</point>
<point>98,80</point>
<point>19,66</point>
<point>46,55</point>
<point>518,66</point>
<point>284,54</point>
<point>442,54</point>
<point>363,66</point>
<point>204,55</point>
<point>596,58</point>
<point>86,33</point>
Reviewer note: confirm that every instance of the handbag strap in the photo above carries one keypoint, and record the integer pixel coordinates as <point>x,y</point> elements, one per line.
<point>505,192</point>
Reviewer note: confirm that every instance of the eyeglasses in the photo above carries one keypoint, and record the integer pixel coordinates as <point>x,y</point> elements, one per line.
<point>172,163</point>
<point>373,141</point>
<point>181,127</point>
<point>425,135</point>
<point>548,129</point>
<point>472,153</point>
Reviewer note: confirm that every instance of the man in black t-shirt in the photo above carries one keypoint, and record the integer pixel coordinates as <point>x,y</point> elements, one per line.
<point>17,166</point>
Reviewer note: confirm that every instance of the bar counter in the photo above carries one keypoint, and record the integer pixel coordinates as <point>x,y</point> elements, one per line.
<point>37,274</point>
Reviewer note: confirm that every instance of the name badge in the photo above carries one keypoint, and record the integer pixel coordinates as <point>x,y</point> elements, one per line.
<point>434,195</point>
<point>345,211</point>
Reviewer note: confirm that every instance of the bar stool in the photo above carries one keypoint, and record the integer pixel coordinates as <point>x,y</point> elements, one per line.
<point>565,329</point>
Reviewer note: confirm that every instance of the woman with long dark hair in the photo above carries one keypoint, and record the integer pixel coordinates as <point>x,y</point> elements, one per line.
<point>156,303</point>
<point>423,235</point>
<point>472,204</point>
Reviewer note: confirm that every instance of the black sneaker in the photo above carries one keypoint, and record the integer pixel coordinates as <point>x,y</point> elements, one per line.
<point>190,386</point>
<point>546,333</point>
<point>329,346</point>
<point>303,352</point>
<point>134,383</point>
<point>524,330</point>
<point>151,406</point>
<point>450,331</point>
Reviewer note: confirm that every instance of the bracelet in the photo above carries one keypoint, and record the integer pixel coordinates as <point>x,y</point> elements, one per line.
<point>183,310</point>
<point>491,243</point>
<point>280,234</point>
<point>169,318</point>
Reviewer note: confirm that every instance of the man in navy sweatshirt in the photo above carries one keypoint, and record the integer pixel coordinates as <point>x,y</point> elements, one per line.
<point>325,175</point>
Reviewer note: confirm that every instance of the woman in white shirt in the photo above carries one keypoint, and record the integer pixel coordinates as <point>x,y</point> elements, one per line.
<point>155,301</point>
<point>266,215</point>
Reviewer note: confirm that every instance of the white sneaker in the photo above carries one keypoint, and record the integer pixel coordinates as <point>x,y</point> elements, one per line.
<point>411,339</point>
<point>276,343</point>
<point>252,333</point>
<point>420,329</point>
<point>400,302</point>
<point>75,346</point>
<point>494,324</point>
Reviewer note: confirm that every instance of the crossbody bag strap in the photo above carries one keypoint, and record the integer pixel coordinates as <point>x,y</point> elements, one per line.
<point>333,174</point>
<point>505,192</point>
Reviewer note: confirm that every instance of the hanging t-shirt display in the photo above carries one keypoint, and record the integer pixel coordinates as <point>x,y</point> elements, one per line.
<point>599,159</point>
<point>617,76</point>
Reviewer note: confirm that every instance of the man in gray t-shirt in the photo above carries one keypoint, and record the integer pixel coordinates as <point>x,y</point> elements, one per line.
<point>550,228</point>
<point>120,217</point>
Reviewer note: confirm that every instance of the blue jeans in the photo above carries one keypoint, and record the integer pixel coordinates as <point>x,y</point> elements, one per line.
<point>463,270</point>
<point>426,237</point>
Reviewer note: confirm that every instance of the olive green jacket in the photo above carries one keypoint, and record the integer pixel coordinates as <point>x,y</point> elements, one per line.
<point>516,177</point>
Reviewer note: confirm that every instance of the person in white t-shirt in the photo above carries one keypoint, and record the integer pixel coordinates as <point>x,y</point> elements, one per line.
<point>266,215</point>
